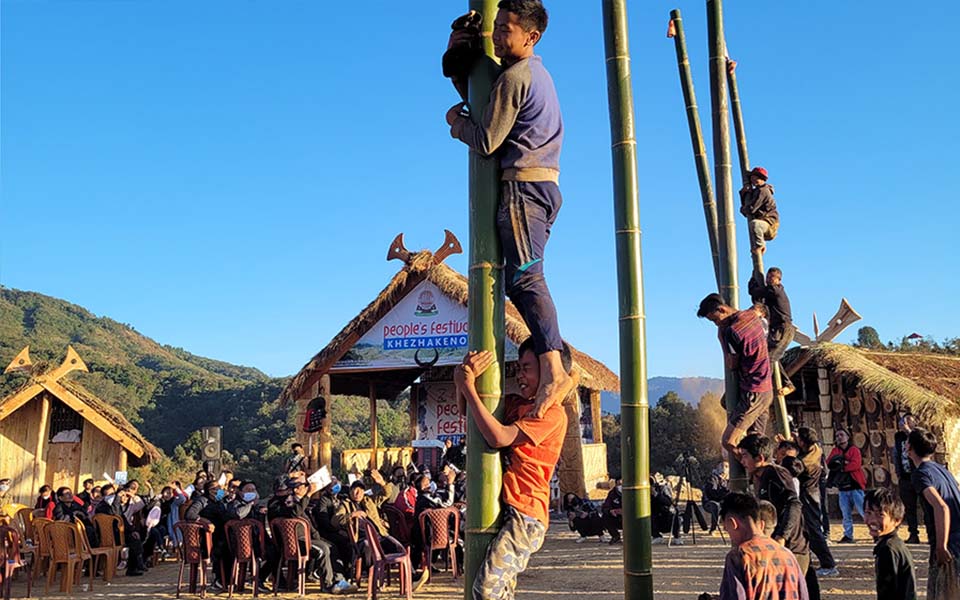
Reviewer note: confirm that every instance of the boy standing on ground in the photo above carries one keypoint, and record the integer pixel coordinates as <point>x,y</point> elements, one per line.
<point>941,513</point>
<point>757,567</point>
<point>523,128</point>
<point>744,344</point>
<point>892,561</point>
<point>534,445</point>
<point>775,485</point>
<point>760,209</point>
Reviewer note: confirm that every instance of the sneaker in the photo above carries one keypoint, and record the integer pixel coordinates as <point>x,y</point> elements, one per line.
<point>343,587</point>
<point>913,539</point>
<point>658,540</point>
<point>828,572</point>
<point>846,540</point>
<point>677,542</point>
<point>581,539</point>
<point>602,539</point>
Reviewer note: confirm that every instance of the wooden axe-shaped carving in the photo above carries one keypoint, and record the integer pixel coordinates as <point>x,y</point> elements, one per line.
<point>451,245</point>
<point>20,363</point>
<point>398,250</point>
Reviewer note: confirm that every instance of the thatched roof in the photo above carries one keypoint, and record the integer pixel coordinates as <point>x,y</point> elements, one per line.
<point>421,266</point>
<point>926,384</point>
<point>104,417</point>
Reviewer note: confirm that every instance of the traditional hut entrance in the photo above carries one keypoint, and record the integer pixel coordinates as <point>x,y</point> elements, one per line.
<point>411,336</point>
<point>53,431</point>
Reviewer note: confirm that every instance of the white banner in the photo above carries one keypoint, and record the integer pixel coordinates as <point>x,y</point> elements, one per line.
<point>426,328</point>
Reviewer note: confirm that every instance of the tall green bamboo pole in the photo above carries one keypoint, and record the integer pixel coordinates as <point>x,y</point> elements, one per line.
<point>486,313</point>
<point>634,406</point>
<point>725,211</point>
<point>779,402</point>
<point>696,137</point>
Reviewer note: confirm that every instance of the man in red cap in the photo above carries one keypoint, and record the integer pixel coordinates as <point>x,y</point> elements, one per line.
<point>760,209</point>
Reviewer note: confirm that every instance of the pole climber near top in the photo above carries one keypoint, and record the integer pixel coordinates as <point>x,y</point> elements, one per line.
<point>522,126</point>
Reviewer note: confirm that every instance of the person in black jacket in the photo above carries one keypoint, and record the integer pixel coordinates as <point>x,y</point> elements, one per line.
<point>908,495</point>
<point>893,563</point>
<point>85,495</point>
<point>115,503</point>
<point>780,334</point>
<point>612,512</point>
<point>714,491</point>
<point>72,509</point>
<point>776,485</point>
<point>213,509</point>
<point>807,449</point>
<point>760,209</point>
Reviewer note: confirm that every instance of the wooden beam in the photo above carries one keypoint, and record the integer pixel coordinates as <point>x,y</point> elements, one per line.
<point>374,434</point>
<point>39,464</point>
<point>19,399</point>
<point>71,363</point>
<point>98,421</point>
<point>122,460</point>
<point>325,445</point>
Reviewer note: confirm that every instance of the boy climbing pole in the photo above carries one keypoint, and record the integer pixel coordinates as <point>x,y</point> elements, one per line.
<point>534,445</point>
<point>760,209</point>
<point>744,346</point>
<point>523,128</point>
<point>771,294</point>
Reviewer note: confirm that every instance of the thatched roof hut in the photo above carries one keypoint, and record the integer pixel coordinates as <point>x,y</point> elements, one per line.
<point>421,266</point>
<point>866,391</point>
<point>54,431</point>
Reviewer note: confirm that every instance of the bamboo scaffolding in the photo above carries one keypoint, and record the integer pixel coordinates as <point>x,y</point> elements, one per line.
<point>725,212</point>
<point>779,402</point>
<point>696,138</point>
<point>634,406</point>
<point>486,317</point>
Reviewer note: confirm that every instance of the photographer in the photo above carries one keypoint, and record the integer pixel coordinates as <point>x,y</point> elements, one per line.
<point>583,517</point>
<point>714,491</point>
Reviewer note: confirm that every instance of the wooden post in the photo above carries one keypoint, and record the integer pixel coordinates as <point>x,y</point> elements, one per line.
<point>122,460</point>
<point>596,415</point>
<point>321,453</point>
<point>374,441</point>
<point>39,464</point>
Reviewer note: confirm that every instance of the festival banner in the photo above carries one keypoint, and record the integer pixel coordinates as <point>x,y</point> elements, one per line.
<point>426,328</point>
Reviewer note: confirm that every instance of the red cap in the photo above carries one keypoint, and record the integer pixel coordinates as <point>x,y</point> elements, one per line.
<point>759,172</point>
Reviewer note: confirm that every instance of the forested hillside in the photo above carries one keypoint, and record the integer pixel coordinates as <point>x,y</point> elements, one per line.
<point>169,393</point>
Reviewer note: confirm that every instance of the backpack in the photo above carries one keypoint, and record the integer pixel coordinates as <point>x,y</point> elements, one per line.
<point>316,413</point>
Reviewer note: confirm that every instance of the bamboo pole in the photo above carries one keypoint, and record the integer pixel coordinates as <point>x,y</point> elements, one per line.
<point>740,133</point>
<point>634,407</point>
<point>725,212</point>
<point>696,138</point>
<point>486,316</point>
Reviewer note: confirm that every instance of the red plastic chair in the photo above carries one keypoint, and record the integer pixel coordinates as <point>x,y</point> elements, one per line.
<point>383,563</point>
<point>440,534</point>
<point>246,542</point>
<point>286,534</point>
<point>194,551</point>
<point>397,521</point>
<point>10,560</point>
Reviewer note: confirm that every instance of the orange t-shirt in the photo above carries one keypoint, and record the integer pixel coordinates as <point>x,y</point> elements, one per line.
<point>526,482</point>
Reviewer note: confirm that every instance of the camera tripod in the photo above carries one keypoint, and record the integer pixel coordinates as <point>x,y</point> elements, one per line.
<point>692,510</point>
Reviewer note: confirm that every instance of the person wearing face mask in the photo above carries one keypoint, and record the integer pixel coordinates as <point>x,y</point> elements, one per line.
<point>324,565</point>
<point>214,510</point>
<point>115,502</point>
<point>71,509</point>
<point>46,501</point>
<point>612,512</point>
<point>171,498</point>
<point>329,526</point>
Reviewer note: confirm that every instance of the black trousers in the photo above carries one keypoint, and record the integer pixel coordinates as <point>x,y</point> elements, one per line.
<point>713,508</point>
<point>613,524</point>
<point>818,542</point>
<point>910,499</point>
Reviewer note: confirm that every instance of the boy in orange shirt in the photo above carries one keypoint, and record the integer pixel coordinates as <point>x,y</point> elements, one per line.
<point>534,448</point>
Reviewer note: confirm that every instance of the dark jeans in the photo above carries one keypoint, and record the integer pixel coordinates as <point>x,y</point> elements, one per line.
<point>818,542</point>
<point>909,496</point>
<point>713,508</point>
<point>824,512</point>
<point>526,214</point>
<point>613,524</point>
<point>777,343</point>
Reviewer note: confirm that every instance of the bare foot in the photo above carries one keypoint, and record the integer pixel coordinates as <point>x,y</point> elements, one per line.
<point>555,384</point>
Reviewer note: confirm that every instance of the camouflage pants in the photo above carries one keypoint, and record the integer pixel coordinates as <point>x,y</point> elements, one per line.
<point>507,556</point>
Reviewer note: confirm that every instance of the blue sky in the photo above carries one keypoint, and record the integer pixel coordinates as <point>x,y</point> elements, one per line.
<point>227,176</point>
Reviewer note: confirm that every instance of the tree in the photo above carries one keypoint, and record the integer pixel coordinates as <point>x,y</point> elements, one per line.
<point>867,337</point>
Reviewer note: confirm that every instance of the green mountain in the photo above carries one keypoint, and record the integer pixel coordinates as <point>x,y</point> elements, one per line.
<point>169,393</point>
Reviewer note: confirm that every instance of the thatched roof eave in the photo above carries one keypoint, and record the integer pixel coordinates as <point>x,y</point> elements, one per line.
<point>594,374</point>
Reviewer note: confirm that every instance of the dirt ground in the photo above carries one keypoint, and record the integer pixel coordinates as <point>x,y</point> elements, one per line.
<point>565,569</point>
